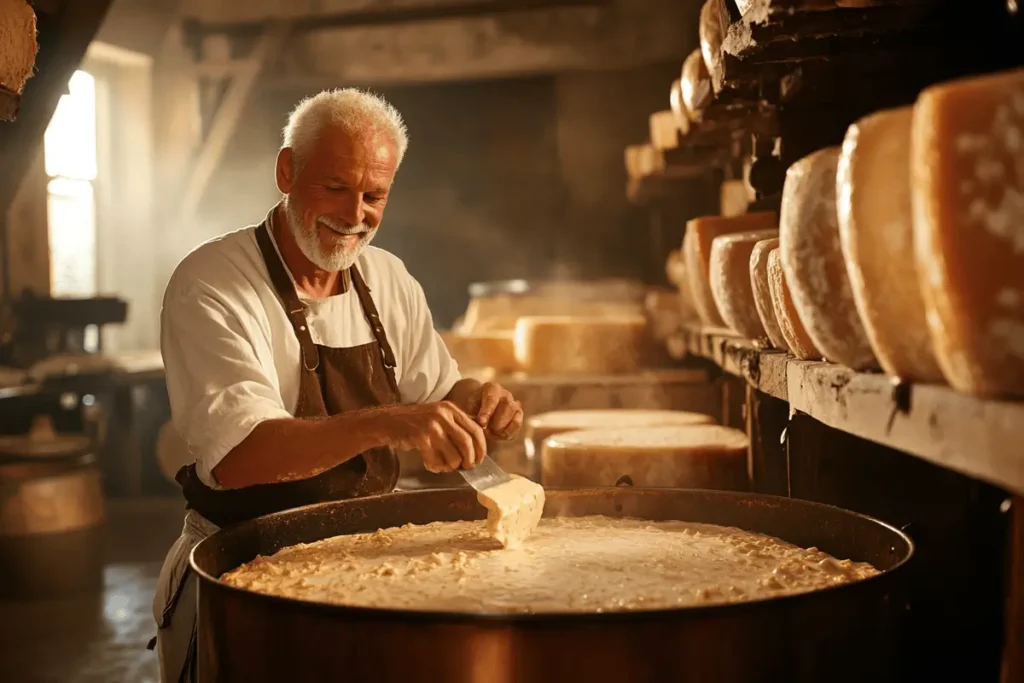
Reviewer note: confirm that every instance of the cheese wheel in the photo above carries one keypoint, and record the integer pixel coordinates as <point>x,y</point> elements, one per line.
<point>876,231</point>
<point>679,114</point>
<point>697,252</point>
<point>763,293</point>
<point>712,33</point>
<point>967,193</point>
<point>573,345</point>
<point>812,260</point>
<point>730,281</point>
<point>797,339</point>
<point>482,350</point>
<point>697,456</point>
<point>733,198</point>
<point>539,427</point>
<point>695,86</point>
<point>664,131</point>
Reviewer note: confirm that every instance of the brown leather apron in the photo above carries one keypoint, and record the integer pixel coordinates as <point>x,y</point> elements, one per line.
<point>332,381</point>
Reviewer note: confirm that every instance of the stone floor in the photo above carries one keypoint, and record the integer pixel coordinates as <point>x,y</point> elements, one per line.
<point>98,638</point>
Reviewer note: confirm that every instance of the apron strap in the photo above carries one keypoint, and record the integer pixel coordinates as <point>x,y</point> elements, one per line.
<point>289,297</point>
<point>373,318</point>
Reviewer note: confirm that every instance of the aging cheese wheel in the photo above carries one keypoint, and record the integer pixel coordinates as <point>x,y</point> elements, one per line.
<point>797,339</point>
<point>712,33</point>
<point>679,113</point>
<point>697,456</point>
<point>540,427</point>
<point>571,345</point>
<point>730,281</point>
<point>664,131</point>
<point>482,350</point>
<point>876,232</point>
<point>967,170</point>
<point>698,254</point>
<point>643,160</point>
<point>813,261</point>
<point>763,293</point>
<point>695,86</point>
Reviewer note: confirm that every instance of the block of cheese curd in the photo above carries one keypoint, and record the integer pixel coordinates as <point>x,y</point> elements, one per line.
<point>797,339</point>
<point>763,294</point>
<point>695,86</point>
<point>700,233</point>
<point>812,260</point>
<point>693,456</point>
<point>558,345</point>
<point>876,231</point>
<point>730,281</point>
<point>539,427</point>
<point>967,193</point>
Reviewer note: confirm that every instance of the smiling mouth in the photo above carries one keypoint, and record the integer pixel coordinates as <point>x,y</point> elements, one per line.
<point>348,236</point>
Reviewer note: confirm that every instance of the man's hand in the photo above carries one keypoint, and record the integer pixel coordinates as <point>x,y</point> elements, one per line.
<point>444,435</point>
<point>500,413</point>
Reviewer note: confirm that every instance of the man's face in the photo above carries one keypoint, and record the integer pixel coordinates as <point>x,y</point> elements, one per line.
<point>336,200</point>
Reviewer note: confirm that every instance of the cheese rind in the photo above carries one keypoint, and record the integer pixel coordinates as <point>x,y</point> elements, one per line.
<point>967,192</point>
<point>762,292</point>
<point>876,232</point>
<point>695,86</point>
<point>539,427</point>
<point>574,345</point>
<point>679,113</point>
<point>793,331</point>
<point>730,281</point>
<point>812,260</point>
<point>698,255</point>
<point>697,456</point>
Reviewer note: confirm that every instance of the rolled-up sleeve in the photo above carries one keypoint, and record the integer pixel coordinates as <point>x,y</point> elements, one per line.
<point>219,390</point>
<point>428,371</point>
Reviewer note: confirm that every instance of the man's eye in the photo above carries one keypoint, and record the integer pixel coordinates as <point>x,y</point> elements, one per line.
<point>374,199</point>
<point>334,188</point>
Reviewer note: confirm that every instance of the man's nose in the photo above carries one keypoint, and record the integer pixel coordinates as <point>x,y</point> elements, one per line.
<point>351,209</point>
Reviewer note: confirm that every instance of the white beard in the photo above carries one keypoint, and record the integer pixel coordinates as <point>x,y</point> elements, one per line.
<point>308,239</point>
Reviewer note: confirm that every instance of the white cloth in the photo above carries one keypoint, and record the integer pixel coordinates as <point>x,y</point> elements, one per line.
<point>231,355</point>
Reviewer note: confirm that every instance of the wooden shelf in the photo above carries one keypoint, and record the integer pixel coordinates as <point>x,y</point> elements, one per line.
<point>981,438</point>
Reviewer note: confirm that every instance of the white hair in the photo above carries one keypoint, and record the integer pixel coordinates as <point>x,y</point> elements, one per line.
<point>358,112</point>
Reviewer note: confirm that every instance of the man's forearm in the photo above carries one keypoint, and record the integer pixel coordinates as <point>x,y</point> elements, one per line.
<point>291,449</point>
<point>466,395</point>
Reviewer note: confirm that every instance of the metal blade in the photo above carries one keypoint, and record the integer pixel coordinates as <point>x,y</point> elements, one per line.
<point>485,475</point>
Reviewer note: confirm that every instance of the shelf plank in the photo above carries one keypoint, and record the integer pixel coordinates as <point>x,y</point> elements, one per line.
<point>977,437</point>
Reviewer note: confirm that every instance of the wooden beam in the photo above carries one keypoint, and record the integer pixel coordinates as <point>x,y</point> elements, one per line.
<point>226,119</point>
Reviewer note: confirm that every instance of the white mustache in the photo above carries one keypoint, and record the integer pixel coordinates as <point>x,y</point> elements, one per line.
<point>343,229</point>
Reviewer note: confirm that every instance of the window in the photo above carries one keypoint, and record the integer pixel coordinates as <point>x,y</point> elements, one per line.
<point>70,159</point>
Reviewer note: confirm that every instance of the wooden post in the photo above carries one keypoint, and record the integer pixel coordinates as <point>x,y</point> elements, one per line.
<point>767,418</point>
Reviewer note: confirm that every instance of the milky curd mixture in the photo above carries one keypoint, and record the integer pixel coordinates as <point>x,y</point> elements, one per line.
<point>569,564</point>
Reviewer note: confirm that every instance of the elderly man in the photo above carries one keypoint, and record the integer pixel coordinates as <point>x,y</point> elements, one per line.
<point>299,358</point>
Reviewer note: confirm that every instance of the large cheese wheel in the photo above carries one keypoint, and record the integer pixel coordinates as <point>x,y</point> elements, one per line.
<point>797,339</point>
<point>812,260</point>
<point>695,86</point>
<point>698,456</point>
<point>700,233</point>
<point>876,231</point>
<point>730,281</point>
<point>679,113</point>
<point>482,350</point>
<point>967,170</point>
<point>763,293</point>
<point>712,33</point>
<point>663,129</point>
<point>570,345</point>
<point>539,427</point>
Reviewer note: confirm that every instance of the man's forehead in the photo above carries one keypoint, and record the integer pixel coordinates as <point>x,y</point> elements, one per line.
<point>369,147</point>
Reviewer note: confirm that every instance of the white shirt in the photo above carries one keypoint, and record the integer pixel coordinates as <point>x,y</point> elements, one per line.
<point>232,358</point>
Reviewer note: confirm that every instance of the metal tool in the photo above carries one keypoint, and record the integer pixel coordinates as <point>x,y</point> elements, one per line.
<point>485,475</point>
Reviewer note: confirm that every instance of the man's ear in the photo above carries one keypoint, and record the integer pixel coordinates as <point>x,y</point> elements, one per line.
<point>285,172</point>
